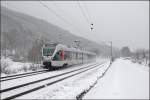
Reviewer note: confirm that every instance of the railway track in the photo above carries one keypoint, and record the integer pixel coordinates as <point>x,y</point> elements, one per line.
<point>20,90</point>
<point>22,75</point>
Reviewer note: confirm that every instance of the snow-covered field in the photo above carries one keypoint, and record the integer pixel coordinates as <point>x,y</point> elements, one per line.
<point>124,80</point>
<point>9,67</point>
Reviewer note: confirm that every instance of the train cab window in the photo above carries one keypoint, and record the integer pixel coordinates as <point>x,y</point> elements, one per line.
<point>57,56</point>
<point>48,51</point>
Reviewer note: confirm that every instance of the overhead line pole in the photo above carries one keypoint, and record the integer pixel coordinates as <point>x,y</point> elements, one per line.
<point>111,51</point>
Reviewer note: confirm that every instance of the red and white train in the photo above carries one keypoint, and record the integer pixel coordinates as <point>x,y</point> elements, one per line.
<point>59,55</point>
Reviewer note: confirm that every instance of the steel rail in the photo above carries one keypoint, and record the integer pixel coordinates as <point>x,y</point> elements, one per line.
<point>29,83</point>
<point>48,84</point>
<point>22,75</point>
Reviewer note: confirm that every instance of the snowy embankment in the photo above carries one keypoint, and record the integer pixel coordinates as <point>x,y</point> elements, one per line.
<point>144,62</point>
<point>9,67</point>
<point>69,88</point>
<point>124,80</point>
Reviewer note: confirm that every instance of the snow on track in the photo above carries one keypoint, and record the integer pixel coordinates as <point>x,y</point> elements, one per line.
<point>124,80</point>
<point>69,88</point>
<point>31,87</point>
<point>16,82</point>
<point>22,75</point>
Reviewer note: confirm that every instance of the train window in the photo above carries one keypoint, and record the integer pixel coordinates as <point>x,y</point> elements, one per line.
<point>70,55</point>
<point>67,55</point>
<point>84,56</point>
<point>73,55</point>
<point>80,55</point>
<point>48,51</point>
<point>76,55</point>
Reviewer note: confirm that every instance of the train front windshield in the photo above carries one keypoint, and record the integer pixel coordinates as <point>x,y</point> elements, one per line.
<point>48,51</point>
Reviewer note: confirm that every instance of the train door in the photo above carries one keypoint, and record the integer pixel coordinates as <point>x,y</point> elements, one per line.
<point>62,55</point>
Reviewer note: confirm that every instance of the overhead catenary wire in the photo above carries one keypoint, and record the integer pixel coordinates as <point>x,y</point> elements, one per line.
<point>90,18</point>
<point>86,8</point>
<point>61,10</point>
<point>52,11</point>
<point>60,17</point>
<point>87,17</point>
<point>83,13</point>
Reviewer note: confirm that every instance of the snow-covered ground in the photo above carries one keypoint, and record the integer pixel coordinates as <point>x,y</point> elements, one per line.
<point>28,79</point>
<point>9,67</point>
<point>69,88</point>
<point>123,80</point>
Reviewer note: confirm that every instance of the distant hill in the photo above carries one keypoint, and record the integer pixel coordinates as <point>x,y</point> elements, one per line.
<point>19,31</point>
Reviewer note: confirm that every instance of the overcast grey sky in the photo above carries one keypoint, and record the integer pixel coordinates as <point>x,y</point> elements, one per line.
<point>125,23</point>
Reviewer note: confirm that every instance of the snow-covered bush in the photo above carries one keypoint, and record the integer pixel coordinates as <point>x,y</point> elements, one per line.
<point>8,66</point>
